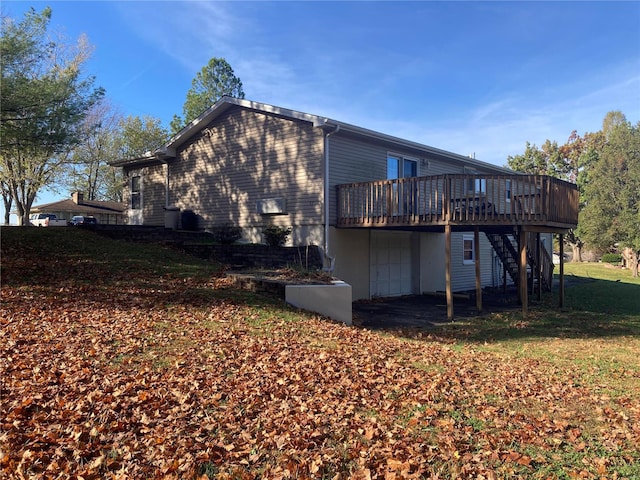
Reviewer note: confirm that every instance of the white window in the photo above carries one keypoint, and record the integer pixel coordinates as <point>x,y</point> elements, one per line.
<point>135,193</point>
<point>507,193</point>
<point>405,195</point>
<point>401,167</point>
<point>468,250</point>
<point>477,185</point>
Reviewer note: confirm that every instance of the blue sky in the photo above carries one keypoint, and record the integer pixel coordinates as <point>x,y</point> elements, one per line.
<point>477,78</point>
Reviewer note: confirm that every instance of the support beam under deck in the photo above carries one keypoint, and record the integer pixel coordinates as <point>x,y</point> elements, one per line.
<point>476,257</point>
<point>522,270</point>
<point>447,261</point>
<point>561,240</point>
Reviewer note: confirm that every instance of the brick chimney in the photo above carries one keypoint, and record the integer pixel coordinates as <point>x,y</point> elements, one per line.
<point>77,198</point>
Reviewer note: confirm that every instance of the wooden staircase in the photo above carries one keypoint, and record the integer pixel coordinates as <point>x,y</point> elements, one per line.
<point>506,246</point>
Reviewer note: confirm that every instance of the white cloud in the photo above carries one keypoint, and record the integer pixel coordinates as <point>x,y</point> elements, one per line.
<point>188,32</point>
<point>499,128</point>
<point>314,77</point>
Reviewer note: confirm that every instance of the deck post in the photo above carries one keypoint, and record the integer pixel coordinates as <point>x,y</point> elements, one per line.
<point>522,270</point>
<point>476,257</point>
<point>504,278</point>
<point>539,266</point>
<point>447,261</point>
<point>561,241</point>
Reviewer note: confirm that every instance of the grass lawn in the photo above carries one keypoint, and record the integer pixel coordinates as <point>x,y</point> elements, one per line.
<point>596,334</point>
<point>121,360</point>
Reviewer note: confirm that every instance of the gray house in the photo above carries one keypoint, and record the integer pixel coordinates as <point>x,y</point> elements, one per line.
<point>394,217</point>
<point>105,212</point>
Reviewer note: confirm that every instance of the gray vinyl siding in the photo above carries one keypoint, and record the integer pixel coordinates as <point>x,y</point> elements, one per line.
<point>352,161</point>
<point>439,167</point>
<point>247,156</point>
<point>152,193</point>
<point>463,277</point>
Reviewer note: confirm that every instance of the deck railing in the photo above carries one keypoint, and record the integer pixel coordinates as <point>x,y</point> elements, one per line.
<point>459,199</point>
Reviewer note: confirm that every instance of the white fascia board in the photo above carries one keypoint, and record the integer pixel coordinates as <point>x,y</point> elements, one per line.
<point>133,161</point>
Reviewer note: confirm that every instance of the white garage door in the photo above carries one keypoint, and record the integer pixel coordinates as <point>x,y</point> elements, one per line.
<point>390,264</point>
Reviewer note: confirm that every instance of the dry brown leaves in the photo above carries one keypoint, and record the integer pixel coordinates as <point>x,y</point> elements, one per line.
<point>163,382</point>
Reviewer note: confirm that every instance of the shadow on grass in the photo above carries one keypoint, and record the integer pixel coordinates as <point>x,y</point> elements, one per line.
<point>601,296</point>
<point>61,260</point>
<point>593,308</point>
<point>58,256</point>
<point>68,265</point>
<point>540,323</point>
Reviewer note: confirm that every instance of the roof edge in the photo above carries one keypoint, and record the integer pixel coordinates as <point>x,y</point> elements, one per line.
<point>365,132</point>
<point>145,159</point>
<point>169,150</point>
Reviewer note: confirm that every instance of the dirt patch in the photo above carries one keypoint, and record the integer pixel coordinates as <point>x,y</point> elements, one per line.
<point>420,311</point>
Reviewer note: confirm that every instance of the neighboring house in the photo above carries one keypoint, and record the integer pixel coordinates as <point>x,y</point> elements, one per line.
<point>385,210</point>
<point>106,213</point>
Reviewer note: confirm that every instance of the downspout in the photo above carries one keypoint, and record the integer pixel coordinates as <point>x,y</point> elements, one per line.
<point>327,196</point>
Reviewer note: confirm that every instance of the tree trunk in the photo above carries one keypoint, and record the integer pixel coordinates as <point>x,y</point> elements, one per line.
<point>634,263</point>
<point>577,253</point>
<point>21,216</point>
<point>8,203</point>
<point>23,206</point>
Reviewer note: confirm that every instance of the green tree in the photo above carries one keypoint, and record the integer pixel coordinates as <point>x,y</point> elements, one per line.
<point>612,119</point>
<point>137,136</point>
<point>140,135</point>
<point>578,155</point>
<point>546,160</point>
<point>556,161</point>
<point>611,215</point>
<point>215,80</point>
<point>44,101</point>
<point>531,161</point>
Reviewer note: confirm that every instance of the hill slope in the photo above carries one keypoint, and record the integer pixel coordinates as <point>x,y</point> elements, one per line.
<point>130,361</point>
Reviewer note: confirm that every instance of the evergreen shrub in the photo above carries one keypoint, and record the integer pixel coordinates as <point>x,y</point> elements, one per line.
<point>611,258</point>
<point>276,236</point>
<point>227,234</point>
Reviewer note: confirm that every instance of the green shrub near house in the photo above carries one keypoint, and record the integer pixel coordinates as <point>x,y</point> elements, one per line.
<point>227,234</point>
<point>276,236</point>
<point>614,258</point>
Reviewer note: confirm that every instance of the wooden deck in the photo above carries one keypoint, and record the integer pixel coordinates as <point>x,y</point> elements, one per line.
<point>533,202</point>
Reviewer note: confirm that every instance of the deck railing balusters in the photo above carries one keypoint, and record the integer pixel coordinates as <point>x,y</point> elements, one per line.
<point>461,199</point>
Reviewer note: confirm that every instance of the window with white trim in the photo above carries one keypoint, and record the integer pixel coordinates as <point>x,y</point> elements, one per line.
<point>507,193</point>
<point>468,250</point>
<point>477,185</point>
<point>135,193</point>
<point>401,167</point>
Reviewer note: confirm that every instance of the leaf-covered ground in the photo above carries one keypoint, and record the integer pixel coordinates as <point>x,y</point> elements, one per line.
<point>113,367</point>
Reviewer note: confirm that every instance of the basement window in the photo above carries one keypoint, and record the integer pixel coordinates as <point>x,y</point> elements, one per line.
<point>271,206</point>
<point>468,250</point>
